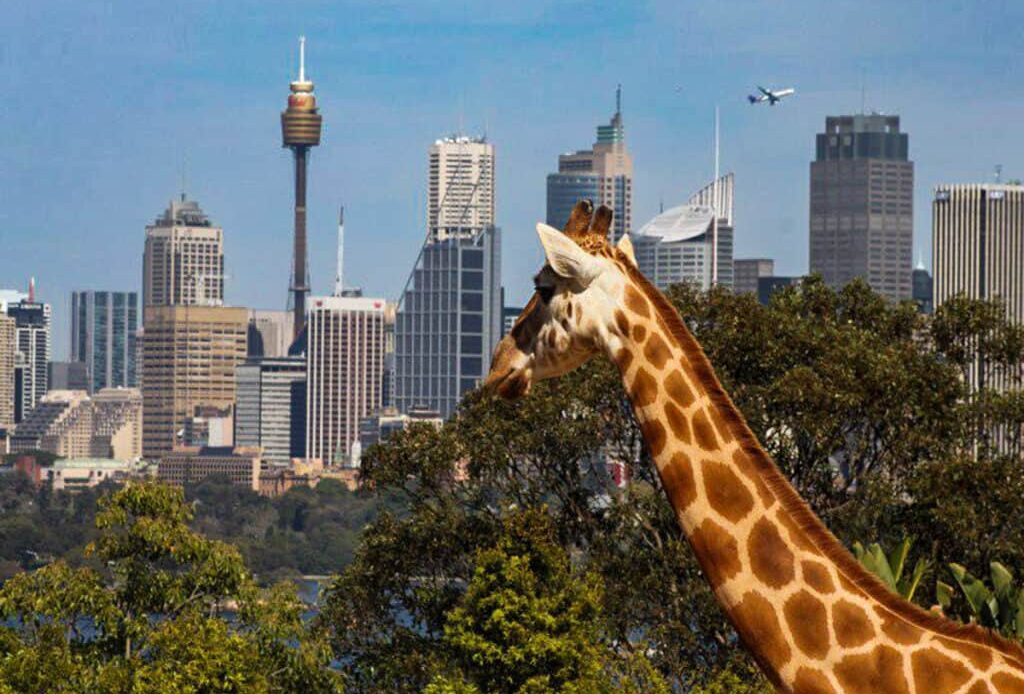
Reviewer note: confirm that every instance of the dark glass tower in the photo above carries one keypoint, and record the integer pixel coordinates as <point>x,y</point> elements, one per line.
<point>862,205</point>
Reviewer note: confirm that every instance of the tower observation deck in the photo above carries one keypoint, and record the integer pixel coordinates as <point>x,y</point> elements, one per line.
<point>300,129</point>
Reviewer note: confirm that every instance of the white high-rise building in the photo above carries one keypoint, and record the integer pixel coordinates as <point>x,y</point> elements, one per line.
<point>344,370</point>
<point>32,356</point>
<point>460,190</point>
<point>270,407</point>
<point>183,262</point>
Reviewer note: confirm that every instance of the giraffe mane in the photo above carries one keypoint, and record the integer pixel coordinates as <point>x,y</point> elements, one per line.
<point>791,501</point>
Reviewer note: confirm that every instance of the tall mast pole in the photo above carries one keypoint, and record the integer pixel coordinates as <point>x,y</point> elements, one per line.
<point>339,278</point>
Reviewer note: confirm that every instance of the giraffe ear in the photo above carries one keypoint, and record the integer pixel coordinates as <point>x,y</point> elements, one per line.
<point>565,257</point>
<point>626,246</point>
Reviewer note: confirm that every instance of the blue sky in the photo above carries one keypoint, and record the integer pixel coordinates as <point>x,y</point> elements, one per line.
<point>106,103</point>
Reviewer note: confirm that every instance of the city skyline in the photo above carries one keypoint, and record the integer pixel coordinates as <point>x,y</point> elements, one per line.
<point>388,96</point>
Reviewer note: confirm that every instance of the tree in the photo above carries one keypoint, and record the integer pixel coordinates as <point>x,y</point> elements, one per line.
<point>151,622</point>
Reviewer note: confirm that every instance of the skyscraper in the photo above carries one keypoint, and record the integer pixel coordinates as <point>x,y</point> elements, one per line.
<point>677,245</point>
<point>183,261</point>
<point>978,244</point>
<point>344,379</point>
<point>189,357</point>
<point>270,332</point>
<point>300,131</point>
<point>604,174</point>
<point>103,326</point>
<point>746,272</point>
<point>862,204</point>
<point>8,347</point>
<point>32,340</point>
<point>449,317</point>
<point>270,407</point>
<point>922,290</point>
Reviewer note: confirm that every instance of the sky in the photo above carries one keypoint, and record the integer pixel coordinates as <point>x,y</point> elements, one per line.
<point>110,109</point>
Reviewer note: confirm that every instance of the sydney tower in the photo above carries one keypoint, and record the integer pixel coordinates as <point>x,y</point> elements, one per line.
<point>300,130</point>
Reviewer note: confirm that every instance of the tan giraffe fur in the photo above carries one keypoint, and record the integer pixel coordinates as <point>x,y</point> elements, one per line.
<point>813,618</point>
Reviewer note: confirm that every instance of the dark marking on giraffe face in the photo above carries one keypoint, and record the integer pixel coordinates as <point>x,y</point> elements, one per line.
<point>980,657</point>
<point>644,389</point>
<point>810,681</point>
<point>717,551</point>
<point>677,478</point>
<point>746,466</point>
<point>880,670</point>
<point>703,433</point>
<point>657,352</point>
<point>639,333</point>
<point>758,627</point>
<point>899,630</point>
<point>568,309</point>
<point>770,558</point>
<point>1008,684</point>
<point>636,302</point>
<point>851,624</point>
<point>552,338</point>
<point>654,435</point>
<point>623,358</point>
<point>937,673</point>
<point>622,323</point>
<point>808,623</point>
<point>725,491</point>
<point>678,423</point>
<point>678,390</point>
<point>817,577</point>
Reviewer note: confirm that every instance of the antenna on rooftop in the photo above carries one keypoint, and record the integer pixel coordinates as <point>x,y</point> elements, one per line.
<point>618,98</point>
<point>302,59</point>
<point>999,173</point>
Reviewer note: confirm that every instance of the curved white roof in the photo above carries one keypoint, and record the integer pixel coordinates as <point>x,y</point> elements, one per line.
<point>678,223</point>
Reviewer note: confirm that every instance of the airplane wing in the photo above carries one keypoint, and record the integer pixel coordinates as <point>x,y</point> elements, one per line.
<point>766,92</point>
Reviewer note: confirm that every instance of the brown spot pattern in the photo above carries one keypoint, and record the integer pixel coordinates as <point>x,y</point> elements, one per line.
<point>654,435</point>
<point>702,431</point>
<point>770,558</point>
<point>644,389</point>
<point>817,577</point>
<point>677,478</point>
<point>758,627</point>
<point>979,687</point>
<point>1008,684</point>
<point>937,673</point>
<point>636,302</point>
<point>980,657</point>
<point>623,359</point>
<point>656,351</point>
<point>898,630</point>
<point>622,323</point>
<point>797,536</point>
<point>852,625</point>
<point>811,682</point>
<point>717,551</point>
<point>678,390</point>
<point>678,423</point>
<point>721,426</point>
<point>725,491</point>
<point>745,465</point>
<point>808,623</point>
<point>639,333</point>
<point>881,670</point>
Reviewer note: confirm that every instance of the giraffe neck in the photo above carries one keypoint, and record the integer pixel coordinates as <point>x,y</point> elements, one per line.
<point>814,620</point>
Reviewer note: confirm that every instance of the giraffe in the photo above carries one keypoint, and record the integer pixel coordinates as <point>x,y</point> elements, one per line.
<point>814,620</point>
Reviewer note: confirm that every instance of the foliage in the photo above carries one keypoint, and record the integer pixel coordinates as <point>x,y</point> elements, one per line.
<point>1000,607</point>
<point>151,621</point>
<point>889,568</point>
<point>862,402</point>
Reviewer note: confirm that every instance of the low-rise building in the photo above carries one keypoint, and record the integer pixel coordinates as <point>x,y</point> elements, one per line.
<point>70,424</point>
<point>82,473</point>
<point>189,464</point>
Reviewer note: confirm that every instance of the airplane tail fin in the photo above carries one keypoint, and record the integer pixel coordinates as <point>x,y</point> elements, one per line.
<point>752,99</point>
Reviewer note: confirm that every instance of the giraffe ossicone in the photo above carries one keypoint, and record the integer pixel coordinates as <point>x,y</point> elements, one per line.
<point>815,621</point>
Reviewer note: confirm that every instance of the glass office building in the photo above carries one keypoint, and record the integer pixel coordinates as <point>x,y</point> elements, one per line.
<point>103,327</point>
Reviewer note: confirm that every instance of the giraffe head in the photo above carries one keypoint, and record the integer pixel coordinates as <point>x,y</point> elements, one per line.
<point>570,317</point>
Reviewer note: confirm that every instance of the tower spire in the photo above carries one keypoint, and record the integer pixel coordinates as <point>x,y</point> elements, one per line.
<point>339,278</point>
<point>618,99</point>
<point>302,58</point>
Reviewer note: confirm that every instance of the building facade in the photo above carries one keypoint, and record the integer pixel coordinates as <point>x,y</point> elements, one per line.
<point>678,245</point>
<point>191,464</point>
<point>270,332</point>
<point>746,272</point>
<point>862,204</point>
<point>602,174</point>
<point>344,377</point>
<point>32,356</point>
<point>103,326</point>
<point>921,290</point>
<point>460,187</point>
<point>183,262</point>
<point>70,424</point>
<point>8,347</point>
<point>189,358</point>
<point>270,407</point>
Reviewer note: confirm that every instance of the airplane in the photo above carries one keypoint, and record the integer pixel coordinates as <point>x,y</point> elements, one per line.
<point>769,95</point>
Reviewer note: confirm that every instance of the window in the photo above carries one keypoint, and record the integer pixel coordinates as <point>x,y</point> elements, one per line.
<point>472,301</point>
<point>472,279</point>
